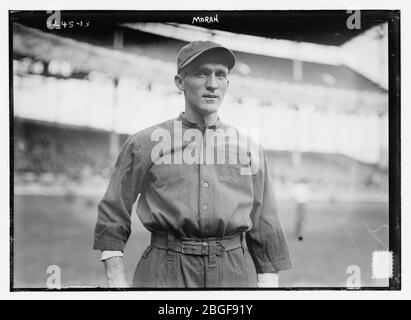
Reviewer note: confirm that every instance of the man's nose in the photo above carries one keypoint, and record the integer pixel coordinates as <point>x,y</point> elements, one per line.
<point>212,82</point>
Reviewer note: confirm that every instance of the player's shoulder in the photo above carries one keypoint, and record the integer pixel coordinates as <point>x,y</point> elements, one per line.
<point>145,137</point>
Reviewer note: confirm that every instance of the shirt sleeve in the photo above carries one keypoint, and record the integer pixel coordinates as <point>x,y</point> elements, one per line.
<point>106,254</point>
<point>113,225</point>
<point>266,240</point>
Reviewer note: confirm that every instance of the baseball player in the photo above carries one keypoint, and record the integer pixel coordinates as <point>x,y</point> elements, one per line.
<point>206,198</point>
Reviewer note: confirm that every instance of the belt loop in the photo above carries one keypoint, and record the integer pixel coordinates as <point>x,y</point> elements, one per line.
<point>243,242</point>
<point>212,254</point>
<point>171,243</point>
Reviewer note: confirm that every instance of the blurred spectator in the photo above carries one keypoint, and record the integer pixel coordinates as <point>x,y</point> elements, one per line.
<point>301,195</point>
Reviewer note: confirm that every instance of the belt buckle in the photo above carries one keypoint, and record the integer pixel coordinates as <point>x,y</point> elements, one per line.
<point>182,248</point>
<point>185,247</point>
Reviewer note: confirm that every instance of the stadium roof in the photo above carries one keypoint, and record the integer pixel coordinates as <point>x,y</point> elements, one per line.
<point>319,37</point>
<point>84,57</point>
<point>261,66</point>
<point>148,47</point>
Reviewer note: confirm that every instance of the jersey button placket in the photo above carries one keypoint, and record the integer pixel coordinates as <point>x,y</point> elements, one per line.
<point>206,198</point>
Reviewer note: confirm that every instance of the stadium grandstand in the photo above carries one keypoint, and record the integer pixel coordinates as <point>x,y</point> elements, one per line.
<point>323,113</point>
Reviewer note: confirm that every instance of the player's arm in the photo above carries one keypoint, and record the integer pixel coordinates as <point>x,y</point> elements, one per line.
<point>266,239</point>
<point>113,225</point>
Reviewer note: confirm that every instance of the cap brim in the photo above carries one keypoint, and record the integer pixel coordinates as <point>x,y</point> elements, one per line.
<point>229,55</point>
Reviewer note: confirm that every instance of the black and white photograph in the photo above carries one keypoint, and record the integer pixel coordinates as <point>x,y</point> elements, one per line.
<point>199,150</point>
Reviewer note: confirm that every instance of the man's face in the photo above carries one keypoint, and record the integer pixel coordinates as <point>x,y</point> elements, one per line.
<point>204,83</point>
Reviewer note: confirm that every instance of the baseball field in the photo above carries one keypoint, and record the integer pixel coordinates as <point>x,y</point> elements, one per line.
<point>57,230</point>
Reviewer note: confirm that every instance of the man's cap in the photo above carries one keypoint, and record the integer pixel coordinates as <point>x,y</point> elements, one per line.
<point>194,49</point>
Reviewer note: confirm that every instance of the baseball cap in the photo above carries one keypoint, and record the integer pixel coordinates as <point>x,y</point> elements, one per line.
<point>194,49</point>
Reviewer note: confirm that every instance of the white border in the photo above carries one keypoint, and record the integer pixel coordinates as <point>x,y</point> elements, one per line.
<point>405,293</point>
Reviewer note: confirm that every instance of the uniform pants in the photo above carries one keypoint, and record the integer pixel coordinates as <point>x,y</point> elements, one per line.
<point>233,268</point>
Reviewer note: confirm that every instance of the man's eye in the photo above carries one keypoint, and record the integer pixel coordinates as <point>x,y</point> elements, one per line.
<point>200,73</point>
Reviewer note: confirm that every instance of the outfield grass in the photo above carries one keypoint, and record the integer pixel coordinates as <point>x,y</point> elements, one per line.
<point>59,231</point>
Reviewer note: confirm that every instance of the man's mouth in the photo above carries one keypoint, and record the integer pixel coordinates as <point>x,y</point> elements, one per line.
<point>210,96</point>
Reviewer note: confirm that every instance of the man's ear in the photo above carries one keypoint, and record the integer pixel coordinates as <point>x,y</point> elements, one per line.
<point>178,80</point>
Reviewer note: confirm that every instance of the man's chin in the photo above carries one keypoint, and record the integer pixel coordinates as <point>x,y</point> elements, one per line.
<point>210,108</point>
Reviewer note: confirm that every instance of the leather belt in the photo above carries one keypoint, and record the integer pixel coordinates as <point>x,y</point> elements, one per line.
<point>211,247</point>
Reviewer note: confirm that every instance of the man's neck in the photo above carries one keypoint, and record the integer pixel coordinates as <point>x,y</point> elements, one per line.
<point>201,120</point>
